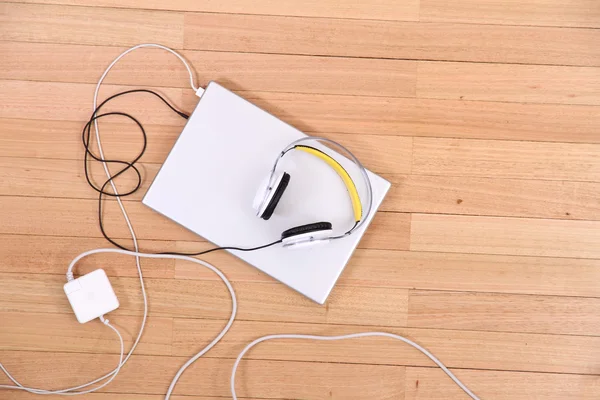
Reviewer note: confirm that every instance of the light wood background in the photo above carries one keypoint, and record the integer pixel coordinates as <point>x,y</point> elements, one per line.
<point>485,115</point>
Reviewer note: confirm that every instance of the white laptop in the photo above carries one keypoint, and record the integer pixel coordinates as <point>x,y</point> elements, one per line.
<point>209,180</point>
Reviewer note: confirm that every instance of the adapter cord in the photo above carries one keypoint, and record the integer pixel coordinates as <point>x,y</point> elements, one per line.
<point>346,337</point>
<point>72,391</point>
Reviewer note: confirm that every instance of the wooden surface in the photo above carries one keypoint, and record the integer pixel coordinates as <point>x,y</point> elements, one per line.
<point>484,114</point>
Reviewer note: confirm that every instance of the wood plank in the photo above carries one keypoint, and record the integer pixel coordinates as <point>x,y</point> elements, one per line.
<point>78,218</point>
<point>470,272</point>
<point>260,379</point>
<point>507,159</point>
<point>433,384</point>
<point>53,254</point>
<point>512,236</point>
<point>239,71</point>
<point>19,395</point>
<point>457,272</point>
<point>65,178</point>
<point>62,333</point>
<point>575,13</point>
<point>457,349</point>
<point>512,83</point>
<point>326,113</point>
<point>397,225</point>
<point>367,268</point>
<point>210,299</point>
<point>468,195</point>
<point>34,100</point>
<point>312,36</point>
<point>429,117</point>
<point>380,9</point>
<point>62,139</point>
<point>386,39</point>
<point>39,177</point>
<point>82,25</point>
<point>504,312</point>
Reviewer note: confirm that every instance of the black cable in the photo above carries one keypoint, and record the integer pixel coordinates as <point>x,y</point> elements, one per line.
<point>86,136</point>
<point>264,246</point>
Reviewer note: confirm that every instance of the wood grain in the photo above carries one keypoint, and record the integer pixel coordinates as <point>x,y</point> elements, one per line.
<point>43,177</point>
<point>537,353</point>
<point>504,312</point>
<point>32,100</point>
<point>19,395</point>
<point>22,140</point>
<point>538,12</point>
<point>40,177</point>
<point>452,271</point>
<point>386,39</point>
<point>53,254</point>
<point>388,230</point>
<point>62,139</point>
<point>483,114</point>
<point>238,71</point>
<point>325,113</point>
<point>311,36</point>
<point>15,395</point>
<point>62,333</point>
<point>82,25</point>
<point>432,384</point>
<point>506,159</point>
<point>379,9</point>
<point>492,196</point>
<point>181,298</point>
<point>368,268</point>
<point>513,83</point>
<point>276,379</point>
<point>516,236</point>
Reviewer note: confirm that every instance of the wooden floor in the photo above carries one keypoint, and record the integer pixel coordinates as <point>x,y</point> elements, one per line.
<point>484,114</point>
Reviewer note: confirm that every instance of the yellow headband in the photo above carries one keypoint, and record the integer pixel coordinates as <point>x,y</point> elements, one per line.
<point>337,167</point>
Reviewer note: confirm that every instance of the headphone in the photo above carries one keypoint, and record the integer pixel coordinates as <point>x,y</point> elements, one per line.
<point>272,188</point>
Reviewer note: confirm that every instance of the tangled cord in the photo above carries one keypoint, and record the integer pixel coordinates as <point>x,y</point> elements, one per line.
<point>131,165</point>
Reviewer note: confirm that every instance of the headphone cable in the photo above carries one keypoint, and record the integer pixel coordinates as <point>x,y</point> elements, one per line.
<point>131,165</point>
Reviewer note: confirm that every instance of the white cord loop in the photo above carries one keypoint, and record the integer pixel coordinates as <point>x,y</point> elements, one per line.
<point>343,337</point>
<point>72,391</point>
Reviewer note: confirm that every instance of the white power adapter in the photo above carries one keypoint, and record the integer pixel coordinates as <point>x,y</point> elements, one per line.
<point>91,296</point>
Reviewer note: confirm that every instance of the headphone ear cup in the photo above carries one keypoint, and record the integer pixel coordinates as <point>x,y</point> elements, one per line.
<point>317,232</point>
<point>274,196</point>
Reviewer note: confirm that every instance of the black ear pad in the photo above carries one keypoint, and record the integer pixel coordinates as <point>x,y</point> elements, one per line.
<point>299,230</point>
<point>283,184</point>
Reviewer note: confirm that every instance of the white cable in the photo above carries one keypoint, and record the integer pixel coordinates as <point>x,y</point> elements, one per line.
<point>115,191</point>
<point>125,215</point>
<point>342,337</point>
<point>177,257</point>
<point>113,374</point>
<point>70,391</point>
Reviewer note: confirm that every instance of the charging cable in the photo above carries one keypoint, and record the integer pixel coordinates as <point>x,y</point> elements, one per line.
<point>72,390</point>
<point>344,337</point>
<point>176,257</point>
